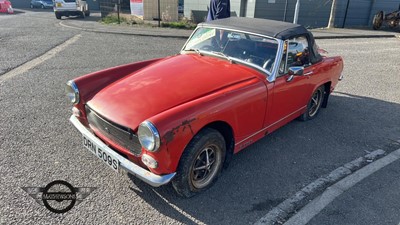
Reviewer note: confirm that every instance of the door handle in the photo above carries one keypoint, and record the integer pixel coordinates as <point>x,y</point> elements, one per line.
<point>308,73</point>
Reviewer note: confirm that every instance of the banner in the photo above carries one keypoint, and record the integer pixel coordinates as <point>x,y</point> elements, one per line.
<point>137,7</point>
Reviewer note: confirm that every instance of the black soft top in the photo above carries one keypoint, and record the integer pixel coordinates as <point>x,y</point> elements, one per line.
<point>271,28</point>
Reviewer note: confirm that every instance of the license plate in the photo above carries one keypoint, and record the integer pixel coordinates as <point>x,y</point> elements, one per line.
<point>104,156</point>
<point>59,4</point>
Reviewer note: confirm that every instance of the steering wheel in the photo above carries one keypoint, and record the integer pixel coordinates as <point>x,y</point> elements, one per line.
<point>268,64</point>
<point>207,48</point>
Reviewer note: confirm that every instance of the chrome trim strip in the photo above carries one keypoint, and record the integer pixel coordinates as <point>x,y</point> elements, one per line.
<point>145,175</point>
<point>265,128</point>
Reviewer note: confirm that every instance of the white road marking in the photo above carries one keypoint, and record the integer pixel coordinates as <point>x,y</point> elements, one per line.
<point>37,61</point>
<point>320,202</point>
<point>194,220</point>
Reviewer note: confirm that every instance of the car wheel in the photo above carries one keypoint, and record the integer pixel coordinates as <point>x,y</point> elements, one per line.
<point>82,15</point>
<point>200,164</point>
<point>377,21</point>
<point>314,105</point>
<point>87,13</point>
<point>58,16</point>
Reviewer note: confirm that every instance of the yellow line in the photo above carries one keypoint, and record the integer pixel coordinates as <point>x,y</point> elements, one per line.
<point>39,60</point>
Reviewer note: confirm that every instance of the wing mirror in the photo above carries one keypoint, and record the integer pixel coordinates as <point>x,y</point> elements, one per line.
<point>295,71</point>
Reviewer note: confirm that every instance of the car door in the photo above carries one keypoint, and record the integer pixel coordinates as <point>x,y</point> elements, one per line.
<point>290,94</point>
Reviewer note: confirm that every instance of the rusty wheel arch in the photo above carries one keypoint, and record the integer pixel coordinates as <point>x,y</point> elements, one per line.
<point>227,132</point>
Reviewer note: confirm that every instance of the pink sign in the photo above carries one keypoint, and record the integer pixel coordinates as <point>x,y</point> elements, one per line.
<point>137,7</point>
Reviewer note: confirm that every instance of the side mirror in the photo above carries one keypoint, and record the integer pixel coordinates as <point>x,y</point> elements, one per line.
<point>295,71</point>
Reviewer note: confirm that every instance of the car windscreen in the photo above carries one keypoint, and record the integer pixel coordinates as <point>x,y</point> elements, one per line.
<point>69,0</point>
<point>253,50</point>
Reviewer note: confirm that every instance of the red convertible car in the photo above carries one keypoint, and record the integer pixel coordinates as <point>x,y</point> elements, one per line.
<point>181,118</point>
<point>5,7</point>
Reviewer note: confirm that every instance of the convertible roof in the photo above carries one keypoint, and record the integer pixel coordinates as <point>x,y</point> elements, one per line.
<point>272,28</point>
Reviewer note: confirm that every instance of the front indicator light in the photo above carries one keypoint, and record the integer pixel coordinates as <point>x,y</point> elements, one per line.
<point>149,161</point>
<point>76,112</point>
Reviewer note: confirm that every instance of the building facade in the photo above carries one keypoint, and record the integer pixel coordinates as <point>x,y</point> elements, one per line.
<point>313,13</point>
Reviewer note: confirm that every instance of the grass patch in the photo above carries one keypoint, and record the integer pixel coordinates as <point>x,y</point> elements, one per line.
<point>179,25</point>
<point>124,19</point>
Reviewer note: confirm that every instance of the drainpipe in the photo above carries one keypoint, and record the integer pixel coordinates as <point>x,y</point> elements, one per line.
<point>345,14</point>
<point>296,12</point>
<point>159,14</point>
<point>284,13</point>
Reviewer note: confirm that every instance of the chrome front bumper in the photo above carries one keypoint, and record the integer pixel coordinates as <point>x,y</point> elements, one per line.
<point>145,175</point>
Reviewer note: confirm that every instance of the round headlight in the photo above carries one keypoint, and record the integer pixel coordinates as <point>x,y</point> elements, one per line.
<point>148,136</point>
<point>72,92</point>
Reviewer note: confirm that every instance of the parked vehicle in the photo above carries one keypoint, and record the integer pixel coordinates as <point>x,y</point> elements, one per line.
<point>181,118</point>
<point>391,19</point>
<point>41,4</point>
<point>71,8</point>
<point>6,7</point>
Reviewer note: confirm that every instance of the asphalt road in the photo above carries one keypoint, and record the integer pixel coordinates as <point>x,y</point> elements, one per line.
<point>39,145</point>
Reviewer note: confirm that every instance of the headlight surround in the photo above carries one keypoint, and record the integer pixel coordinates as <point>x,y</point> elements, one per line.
<point>148,136</point>
<point>72,92</point>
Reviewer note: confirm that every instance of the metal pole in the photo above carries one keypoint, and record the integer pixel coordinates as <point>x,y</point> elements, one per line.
<point>159,14</point>
<point>284,13</point>
<point>118,4</point>
<point>345,14</point>
<point>296,12</point>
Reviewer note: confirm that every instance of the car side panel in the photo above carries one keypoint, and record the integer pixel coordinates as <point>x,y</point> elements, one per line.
<point>290,99</point>
<point>242,106</point>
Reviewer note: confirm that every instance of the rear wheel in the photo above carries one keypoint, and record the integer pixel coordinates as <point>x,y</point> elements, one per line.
<point>82,15</point>
<point>58,16</point>
<point>87,13</point>
<point>314,105</point>
<point>377,21</point>
<point>200,164</point>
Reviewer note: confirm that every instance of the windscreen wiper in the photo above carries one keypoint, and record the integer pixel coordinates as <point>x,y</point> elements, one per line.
<point>223,55</point>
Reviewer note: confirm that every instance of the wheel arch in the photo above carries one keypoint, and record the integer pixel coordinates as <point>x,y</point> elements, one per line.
<point>227,132</point>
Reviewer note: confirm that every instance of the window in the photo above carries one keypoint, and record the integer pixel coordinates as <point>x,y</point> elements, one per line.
<point>252,50</point>
<point>296,53</point>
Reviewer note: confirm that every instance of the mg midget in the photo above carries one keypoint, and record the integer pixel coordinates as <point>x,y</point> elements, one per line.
<point>181,118</point>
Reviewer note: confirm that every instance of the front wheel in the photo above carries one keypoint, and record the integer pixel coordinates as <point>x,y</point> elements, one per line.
<point>200,164</point>
<point>314,105</point>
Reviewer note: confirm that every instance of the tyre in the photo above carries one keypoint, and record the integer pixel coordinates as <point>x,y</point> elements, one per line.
<point>314,105</point>
<point>200,164</point>
<point>58,16</point>
<point>377,21</point>
<point>87,13</point>
<point>82,15</point>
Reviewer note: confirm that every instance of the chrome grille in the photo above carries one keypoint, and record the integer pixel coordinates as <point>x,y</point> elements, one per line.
<point>121,135</point>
